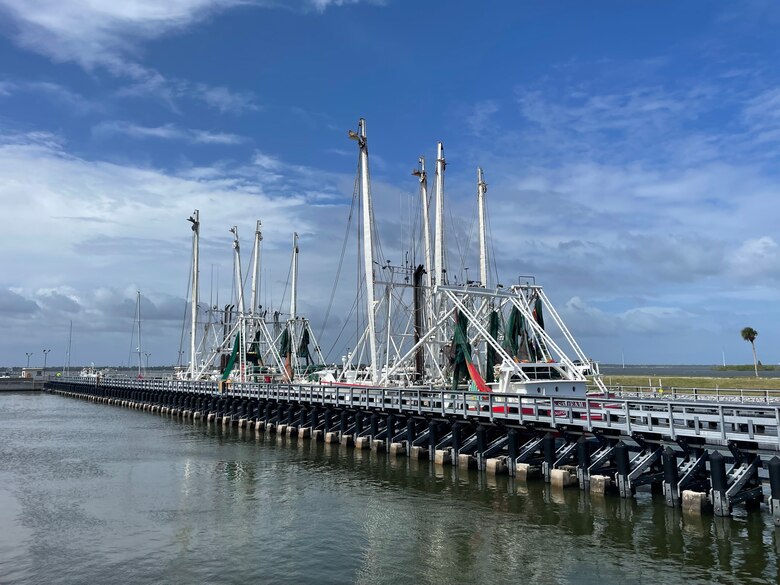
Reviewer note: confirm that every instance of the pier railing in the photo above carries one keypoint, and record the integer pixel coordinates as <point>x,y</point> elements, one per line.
<point>716,421</point>
<point>742,395</point>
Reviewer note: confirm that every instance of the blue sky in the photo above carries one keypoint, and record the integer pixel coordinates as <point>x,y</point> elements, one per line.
<point>631,150</point>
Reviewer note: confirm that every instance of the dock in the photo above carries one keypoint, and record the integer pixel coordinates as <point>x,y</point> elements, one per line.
<point>706,454</point>
<point>21,385</point>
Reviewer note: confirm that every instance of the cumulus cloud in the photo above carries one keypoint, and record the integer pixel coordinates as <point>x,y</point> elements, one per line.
<point>109,35</point>
<point>480,116</point>
<point>757,259</point>
<point>54,92</point>
<point>101,33</point>
<point>12,304</point>
<point>97,231</point>
<point>592,321</point>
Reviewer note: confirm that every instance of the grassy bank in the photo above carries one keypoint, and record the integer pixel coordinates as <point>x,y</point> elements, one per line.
<point>690,382</point>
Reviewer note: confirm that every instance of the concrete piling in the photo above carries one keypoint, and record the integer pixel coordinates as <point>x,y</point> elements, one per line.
<point>442,456</point>
<point>496,465</point>
<point>693,502</point>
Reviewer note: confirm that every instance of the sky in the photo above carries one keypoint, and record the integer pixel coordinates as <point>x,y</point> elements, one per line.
<point>632,153</point>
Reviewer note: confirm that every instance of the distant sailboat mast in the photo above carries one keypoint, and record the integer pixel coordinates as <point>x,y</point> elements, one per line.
<point>138,320</point>
<point>67,354</point>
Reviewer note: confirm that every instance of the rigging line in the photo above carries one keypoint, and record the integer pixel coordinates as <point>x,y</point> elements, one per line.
<point>469,242</point>
<point>286,284</point>
<point>414,243</point>
<point>233,291</point>
<point>343,328</point>
<point>490,239</point>
<point>184,316</point>
<point>132,338</point>
<point>358,271</point>
<point>246,272</point>
<point>457,240</point>
<point>343,253</point>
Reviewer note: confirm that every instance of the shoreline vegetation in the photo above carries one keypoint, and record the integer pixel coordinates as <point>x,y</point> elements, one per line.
<point>666,382</point>
<point>745,368</point>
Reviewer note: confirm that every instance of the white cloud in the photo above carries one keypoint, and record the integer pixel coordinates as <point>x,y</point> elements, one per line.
<point>166,132</point>
<point>55,92</point>
<point>757,259</point>
<point>96,231</point>
<point>322,5</point>
<point>592,321</point>
<point>110,34</point>
<point>479,118</point>
<point>223,99</point>
<point>101,32</point>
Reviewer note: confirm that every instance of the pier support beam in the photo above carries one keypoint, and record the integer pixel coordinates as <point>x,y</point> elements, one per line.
<point>625,489</point>
<point>671,478</point>
<point>740,484</point>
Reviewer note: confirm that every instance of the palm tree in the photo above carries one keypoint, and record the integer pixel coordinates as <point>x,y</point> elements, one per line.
<point>750,334</point>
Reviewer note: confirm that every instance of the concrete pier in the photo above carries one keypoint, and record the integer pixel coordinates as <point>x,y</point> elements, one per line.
<point>604,456</point>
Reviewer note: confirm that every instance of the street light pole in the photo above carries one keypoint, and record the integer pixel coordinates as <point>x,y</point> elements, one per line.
<point>147,354</point>
<point>45,355</point>
<point>28,354</point>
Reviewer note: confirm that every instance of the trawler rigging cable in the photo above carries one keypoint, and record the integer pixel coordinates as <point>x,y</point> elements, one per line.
<point>184,314</point>
<point>355,191</point>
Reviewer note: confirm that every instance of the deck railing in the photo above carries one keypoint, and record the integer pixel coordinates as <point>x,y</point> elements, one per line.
<point>711,419</point>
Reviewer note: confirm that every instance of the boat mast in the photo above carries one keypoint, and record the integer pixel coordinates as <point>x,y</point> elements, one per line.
<point>67,356</point>
<point>481,190</point>
<point>426,225</point>
<point>237,263</point>
<point>368,244</point>
<point>256,266</point>
<point>138,316</point>
<point>194,219</point>
<point>439,252</point>
<point>294,291</point>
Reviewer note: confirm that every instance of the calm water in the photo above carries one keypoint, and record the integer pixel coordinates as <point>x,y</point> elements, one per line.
<point>91,493</point>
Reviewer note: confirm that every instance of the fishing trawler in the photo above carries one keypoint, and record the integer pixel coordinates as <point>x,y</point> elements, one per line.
<point>419,328</point>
